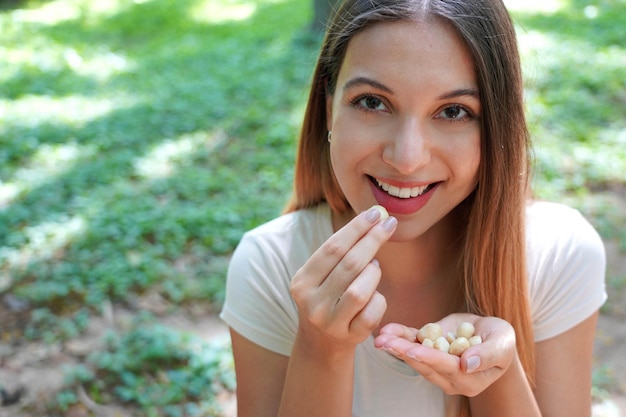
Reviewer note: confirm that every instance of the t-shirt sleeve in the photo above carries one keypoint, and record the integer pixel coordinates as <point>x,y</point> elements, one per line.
<point>258,304</point>
<point>568,283</point>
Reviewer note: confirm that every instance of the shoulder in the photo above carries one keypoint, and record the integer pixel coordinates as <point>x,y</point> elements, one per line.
<point>566,264</point>
<point>257,301</point>
<point>554,226</point>
<point>299,220</point>
<point>542,215</point>
<point>560,235</point>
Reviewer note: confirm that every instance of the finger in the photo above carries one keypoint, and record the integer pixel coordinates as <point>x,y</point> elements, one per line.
<point>326,258</point>
<point>440,368</point>
<point>431,360</point>
<point>400,330</point>
<point>358,257</point>
<point>496,350</point>
<point>488,355</point>
<point>359,292</point>
<point>394,331</point>
<point>370,316</point>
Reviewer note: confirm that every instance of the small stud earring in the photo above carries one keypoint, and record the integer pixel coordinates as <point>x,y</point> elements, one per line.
<point>329,135</point>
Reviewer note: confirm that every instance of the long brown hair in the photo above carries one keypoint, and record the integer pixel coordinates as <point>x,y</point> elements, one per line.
<point>493,258</point>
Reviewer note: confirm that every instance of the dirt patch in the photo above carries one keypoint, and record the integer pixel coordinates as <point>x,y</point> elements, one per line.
<point>40,368</point>
<point>34,371</point>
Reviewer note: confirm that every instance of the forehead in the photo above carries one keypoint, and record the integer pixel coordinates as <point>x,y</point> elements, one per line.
<point>410,50</point>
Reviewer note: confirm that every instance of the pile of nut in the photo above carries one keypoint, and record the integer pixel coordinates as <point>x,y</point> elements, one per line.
<point>431,335</point>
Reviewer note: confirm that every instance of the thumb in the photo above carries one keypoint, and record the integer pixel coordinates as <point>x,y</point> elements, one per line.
<point>470,363</point>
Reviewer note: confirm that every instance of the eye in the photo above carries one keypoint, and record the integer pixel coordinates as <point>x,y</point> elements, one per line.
<point>369,103</point>
<point>455,113</point>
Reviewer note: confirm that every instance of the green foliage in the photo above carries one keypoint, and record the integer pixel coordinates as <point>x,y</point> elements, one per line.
<point>49,327</point>
<point>140,139</point>
<point>603,379</point>
<point>574,65</point>
<point>138,134</point>
<point>160,371</point>
<point>574,62</point>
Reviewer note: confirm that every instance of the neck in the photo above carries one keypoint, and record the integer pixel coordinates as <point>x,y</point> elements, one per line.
<point>432,256</point>
<point>421,280</point>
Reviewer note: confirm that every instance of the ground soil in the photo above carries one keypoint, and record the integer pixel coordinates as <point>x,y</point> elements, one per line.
<point>38,367</point>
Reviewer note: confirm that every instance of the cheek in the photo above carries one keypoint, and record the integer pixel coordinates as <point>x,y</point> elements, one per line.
<point>474,162</point>
<point>473,167</point>
<point>348,157</point>
<point>342,159</point>
<point>466,159</point>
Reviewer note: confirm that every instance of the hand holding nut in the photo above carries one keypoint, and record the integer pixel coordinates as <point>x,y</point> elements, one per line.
<point>478,351</point>
<point>431,335</point>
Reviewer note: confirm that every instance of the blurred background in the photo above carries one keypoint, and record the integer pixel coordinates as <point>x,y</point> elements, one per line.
<point>140,139</point>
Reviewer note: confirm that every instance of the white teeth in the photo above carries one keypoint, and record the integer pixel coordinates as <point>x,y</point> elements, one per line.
<point>401,192</point>
<point>405,193</point>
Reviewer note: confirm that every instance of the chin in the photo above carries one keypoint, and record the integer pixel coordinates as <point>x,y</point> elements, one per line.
<point>403,235</point>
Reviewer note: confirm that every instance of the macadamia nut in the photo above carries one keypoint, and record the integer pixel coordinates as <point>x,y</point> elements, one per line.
<point>459,345</point>
<point>475,340</point>
<point>442,344</point>
<point>465,330</point>
<point>383,211</point>
<point>428,343</point>
<point>431,331</point>
<point>431,335</point>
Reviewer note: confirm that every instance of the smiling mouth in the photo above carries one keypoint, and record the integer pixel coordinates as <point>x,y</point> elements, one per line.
<point>400,192</point>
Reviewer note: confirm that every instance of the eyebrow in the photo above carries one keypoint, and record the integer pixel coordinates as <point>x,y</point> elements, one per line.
<point>354,82</point>
<point>462,92</point>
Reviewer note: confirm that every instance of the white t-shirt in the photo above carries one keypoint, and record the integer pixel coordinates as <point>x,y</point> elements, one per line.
<point>566,268</point>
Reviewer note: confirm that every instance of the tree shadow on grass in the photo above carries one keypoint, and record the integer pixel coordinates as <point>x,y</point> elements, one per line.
<point>191,82</point>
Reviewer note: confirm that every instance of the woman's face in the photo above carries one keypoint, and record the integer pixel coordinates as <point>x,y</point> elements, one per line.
<point>405,123</point>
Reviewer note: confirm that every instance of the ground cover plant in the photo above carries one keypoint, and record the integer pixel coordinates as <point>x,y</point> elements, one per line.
<point>140,139</point>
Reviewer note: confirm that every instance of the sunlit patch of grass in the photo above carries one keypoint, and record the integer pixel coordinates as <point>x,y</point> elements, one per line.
<point>210,11</point>
<point>168,144</point>
<point>42,241</point>
<point>162,160</point>
<point>47,163</point>
<point>75,111</point>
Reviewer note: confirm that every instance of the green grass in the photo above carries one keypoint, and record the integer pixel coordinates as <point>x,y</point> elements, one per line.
<point>164,373</point>
<point>140,139</point>
<point>137,136</point>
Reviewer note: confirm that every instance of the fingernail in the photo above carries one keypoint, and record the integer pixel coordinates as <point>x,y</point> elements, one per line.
<point>413,355</point>
<point>375,262</point>
<point>390,351</point>
<point>372,215</point>
<point>390,223</point>
<point>473,362</point>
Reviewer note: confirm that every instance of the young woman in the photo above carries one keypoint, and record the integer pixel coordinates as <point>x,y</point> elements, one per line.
<point>416,105</point>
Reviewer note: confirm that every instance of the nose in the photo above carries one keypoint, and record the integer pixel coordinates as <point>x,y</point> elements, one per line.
<point>407,148</point>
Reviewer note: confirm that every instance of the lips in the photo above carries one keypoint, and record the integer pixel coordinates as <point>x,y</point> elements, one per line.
<point>402,192</point>
<point>402,200</point>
